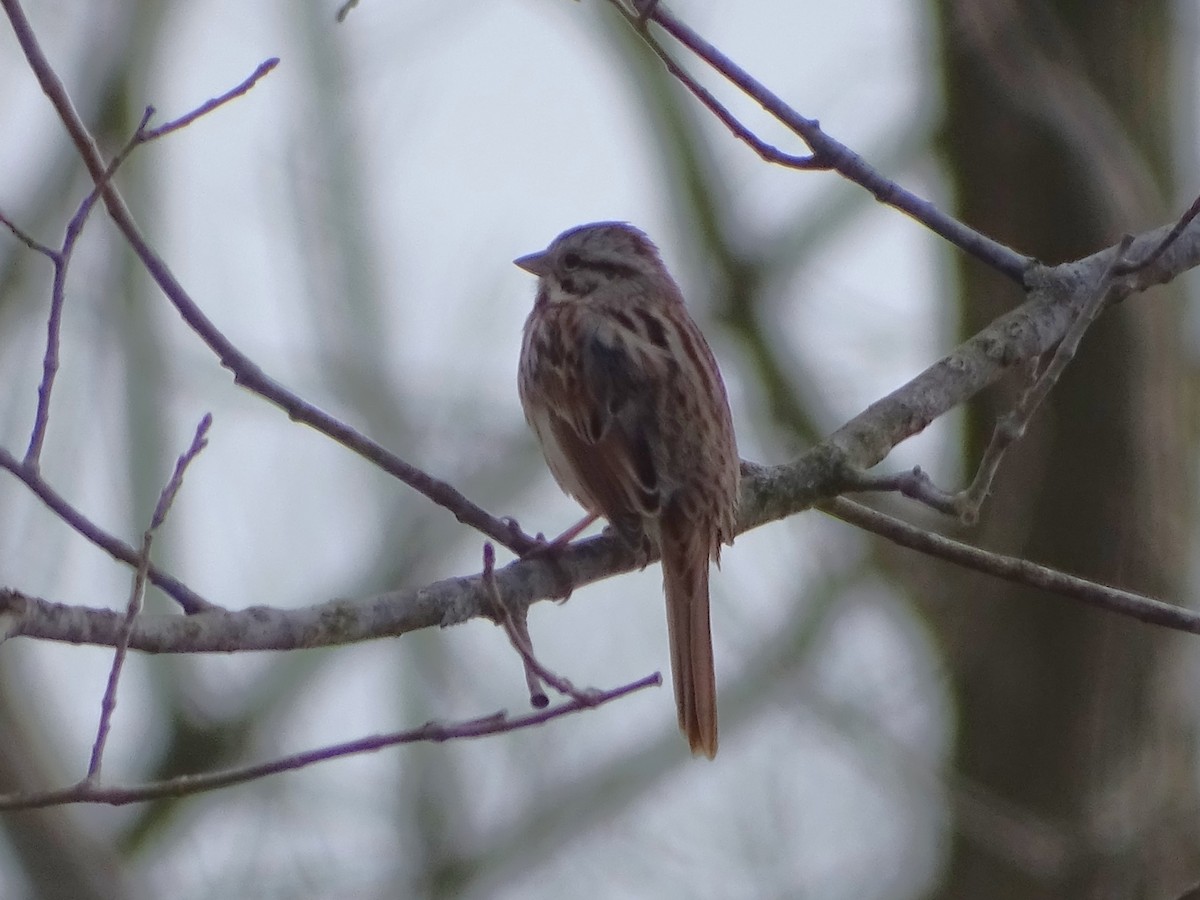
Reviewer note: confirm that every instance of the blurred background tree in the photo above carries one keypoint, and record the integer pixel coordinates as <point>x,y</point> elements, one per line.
<point>1058,137</point>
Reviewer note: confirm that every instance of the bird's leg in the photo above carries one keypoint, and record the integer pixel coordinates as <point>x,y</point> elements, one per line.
<point>549,551</point>
<point>632,531</point>
<point>547,548</point>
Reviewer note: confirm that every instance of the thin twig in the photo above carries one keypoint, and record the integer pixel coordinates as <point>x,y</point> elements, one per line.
<point>108,703</point>
<point>1011,427</point>
<point>167,497</point>
<point>189,600</point>
<point>516,626</point>
<point>62,257</point>
<point>146,135</point>
<point>1128,267</point>
<point>520,640</point>
<point>41,417</point>
<point>914,484</point>
<point>830,153</point>
<point>26,239</point>
<point>1010,568</point>
<point>185,785</point>
<point>50,359</point>
<point>768,152</point>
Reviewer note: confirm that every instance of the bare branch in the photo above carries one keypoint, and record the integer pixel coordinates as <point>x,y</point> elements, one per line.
<point>1011,427</point>
<point>108,703</point>
<point>185,785</point>
<point>766,151</point>
<point>145,135</point>
<point>768,494</point>
<point>27,239</point>
<point>830,153</point>
<point>62,260</point>
<point>1129,267</point>
<point>1019,571</point>
<point>246,373</point>
<point>914,484</point>
<point>189,600</point>
<point>1026,333</point>
<point>62,257</point>
<point>517,629</point>
<point>516,625</point>
<point>333,623</point>
<point>167,497</point>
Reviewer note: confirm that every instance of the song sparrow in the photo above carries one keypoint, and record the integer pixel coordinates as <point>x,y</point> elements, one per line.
<point>628,405</point>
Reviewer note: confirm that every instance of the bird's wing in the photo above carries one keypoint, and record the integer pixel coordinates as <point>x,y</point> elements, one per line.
<point>603,419</point>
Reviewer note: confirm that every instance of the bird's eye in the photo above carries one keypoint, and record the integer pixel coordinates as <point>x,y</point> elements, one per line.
<point>571,261</point>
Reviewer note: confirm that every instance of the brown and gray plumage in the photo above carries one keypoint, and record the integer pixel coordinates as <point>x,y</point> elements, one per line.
<point>626,400</point>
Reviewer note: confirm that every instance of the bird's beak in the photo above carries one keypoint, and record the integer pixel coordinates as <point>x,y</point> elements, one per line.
<point>535,263</point>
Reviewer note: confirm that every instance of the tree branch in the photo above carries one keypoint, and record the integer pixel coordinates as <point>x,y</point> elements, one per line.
<point>769,493</point>
<point>1011,568</point>
<point>184,785</point>
<point>188,600</point>
<point>245,372</point>
<point>108,704</point>
<point>827,152</point>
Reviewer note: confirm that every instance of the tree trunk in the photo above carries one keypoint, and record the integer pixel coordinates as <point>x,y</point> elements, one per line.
<point>1072,723</point>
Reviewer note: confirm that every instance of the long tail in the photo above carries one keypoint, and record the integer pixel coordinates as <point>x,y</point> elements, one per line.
<point>685,546</point>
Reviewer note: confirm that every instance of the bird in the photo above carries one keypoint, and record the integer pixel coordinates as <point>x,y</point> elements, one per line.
<point>626,401</point>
